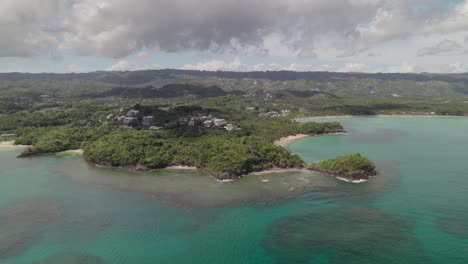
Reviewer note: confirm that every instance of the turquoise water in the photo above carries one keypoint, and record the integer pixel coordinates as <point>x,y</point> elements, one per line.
<point>58,209</point>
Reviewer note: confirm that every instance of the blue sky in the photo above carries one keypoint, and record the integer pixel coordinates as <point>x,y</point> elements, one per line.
<point>246,35</point>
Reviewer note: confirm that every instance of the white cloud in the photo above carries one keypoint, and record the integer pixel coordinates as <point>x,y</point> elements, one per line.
<point>28,27</point>
<point>458,67</point>
<point>237,65</point>
<point>122,65</point>
<point>405,67</point>
<point>444,46</point>
<point>319,31</point>
<point>78,69</point>
<point>356,67</point>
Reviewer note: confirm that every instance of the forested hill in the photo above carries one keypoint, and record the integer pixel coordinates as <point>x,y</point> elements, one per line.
<point>145,76</point>
<point>348,85</point>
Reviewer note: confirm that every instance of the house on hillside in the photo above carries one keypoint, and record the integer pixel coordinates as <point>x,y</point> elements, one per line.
<point>218,122</point>
<point>232,127</point>
<point>183,120</point>
<point>207,123</point>
<point>133,112</point>
<point>148,120</point>
<point>130,121</point>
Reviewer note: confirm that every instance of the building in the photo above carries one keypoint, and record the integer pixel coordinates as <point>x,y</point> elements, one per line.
<point>273,114</point>
<point>250,108</point>
<point>191,123</point>
<point>130,121</point>
<point>208,123</point>
<point>148,120</point>
<point>232,127</point>
<point>219,122</point>
<point>183,121</point>
<point>133,112</point>
<point>155,127</point>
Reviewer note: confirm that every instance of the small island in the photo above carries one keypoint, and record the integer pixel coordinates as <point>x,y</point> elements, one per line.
<point>354,168</point>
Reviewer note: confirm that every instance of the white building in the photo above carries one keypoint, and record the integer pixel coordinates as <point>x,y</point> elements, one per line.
<point>219,122</point>
<point>232,127</point>
<point>208,123</point>
<point>133,112</point>
<point>148,120</point>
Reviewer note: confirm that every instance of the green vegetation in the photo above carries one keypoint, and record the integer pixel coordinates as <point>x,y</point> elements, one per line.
<point>221,153</point>
<point>50,140</point>
<point>353,167</point>
<point>55,112</point>
<point>238,156</point>
<point>224,157</point>
<point>314,128</point>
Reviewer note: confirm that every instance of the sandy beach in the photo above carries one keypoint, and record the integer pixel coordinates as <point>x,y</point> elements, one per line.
<point>11,144</point>
<point>284,141</point>
<point>75,151</point>
<point>277,170</point>
<point>181,168</point>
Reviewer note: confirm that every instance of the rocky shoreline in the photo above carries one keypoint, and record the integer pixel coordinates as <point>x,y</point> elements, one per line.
<point>355,178</point>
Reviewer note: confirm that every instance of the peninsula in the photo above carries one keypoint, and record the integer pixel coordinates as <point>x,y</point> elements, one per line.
<point>226,124</point>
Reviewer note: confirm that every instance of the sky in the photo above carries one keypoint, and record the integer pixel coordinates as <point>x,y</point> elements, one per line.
<point>234,35</point>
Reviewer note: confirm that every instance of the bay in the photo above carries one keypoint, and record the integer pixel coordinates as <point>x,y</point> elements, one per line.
<point>59,209</point>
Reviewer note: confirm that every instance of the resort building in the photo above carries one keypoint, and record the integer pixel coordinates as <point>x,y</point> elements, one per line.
<point>148,120</point>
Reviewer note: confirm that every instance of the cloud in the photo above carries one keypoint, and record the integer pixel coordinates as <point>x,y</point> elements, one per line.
<point>121,65</point>
<point>405,67</point>
<point>237,65</point>
<point>340,32</point>
<point>124,65</point>
<point>29,27</point>
<point>117,28</point>
<point>441,47</point>
<point>78,69</point>
<point>458,67</point>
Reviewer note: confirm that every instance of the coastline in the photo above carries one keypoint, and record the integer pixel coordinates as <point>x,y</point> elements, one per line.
<point>284,141</point>
<point>180,167</point>
<point>279,170</point>
<point>380,115</point>
<point>11,144</point>
<point>276,170</point>
<point>74,151</point>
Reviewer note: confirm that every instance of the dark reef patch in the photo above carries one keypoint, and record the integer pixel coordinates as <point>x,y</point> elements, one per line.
<point>23,222</point>
<point>71,259</point>
<point>351,236</point>
<point>457,227</point>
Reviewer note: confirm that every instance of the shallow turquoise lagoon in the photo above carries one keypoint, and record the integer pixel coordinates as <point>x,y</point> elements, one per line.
<point>58,209</point>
